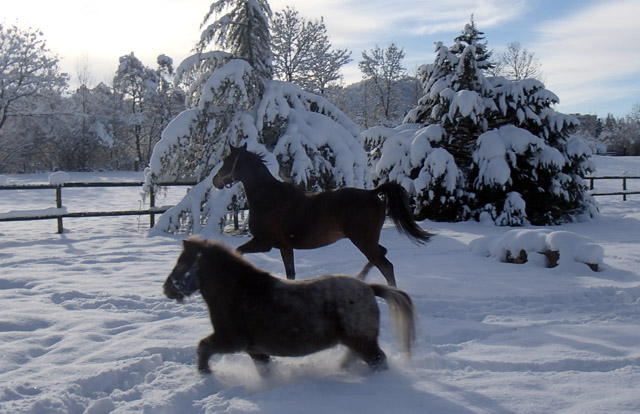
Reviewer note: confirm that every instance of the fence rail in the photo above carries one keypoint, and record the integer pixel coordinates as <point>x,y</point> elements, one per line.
<point>59,212</point>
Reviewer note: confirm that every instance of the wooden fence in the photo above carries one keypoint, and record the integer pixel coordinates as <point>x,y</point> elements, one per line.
<point>59,213</point>
<point>624,192</point>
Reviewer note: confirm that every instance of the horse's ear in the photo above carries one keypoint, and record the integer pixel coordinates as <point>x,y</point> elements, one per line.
<point>233,149</point>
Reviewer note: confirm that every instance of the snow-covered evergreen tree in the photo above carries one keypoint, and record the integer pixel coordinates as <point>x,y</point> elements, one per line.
<point>232,99</point>
<point>484,147</point>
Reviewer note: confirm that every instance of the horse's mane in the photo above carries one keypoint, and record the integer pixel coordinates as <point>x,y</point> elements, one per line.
<point>254,155</point>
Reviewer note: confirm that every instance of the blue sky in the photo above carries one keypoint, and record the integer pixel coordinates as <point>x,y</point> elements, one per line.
<point>589,50</point>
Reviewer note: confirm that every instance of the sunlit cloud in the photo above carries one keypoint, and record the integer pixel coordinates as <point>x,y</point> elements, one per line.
<point>593,53</point>
<point>363,21</point>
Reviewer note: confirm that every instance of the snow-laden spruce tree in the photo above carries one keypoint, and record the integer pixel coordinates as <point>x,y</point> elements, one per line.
<point>484,147</point>
<point>231,100</point>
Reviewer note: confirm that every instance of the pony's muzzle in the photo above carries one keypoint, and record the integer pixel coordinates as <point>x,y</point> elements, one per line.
<point>171,292</point>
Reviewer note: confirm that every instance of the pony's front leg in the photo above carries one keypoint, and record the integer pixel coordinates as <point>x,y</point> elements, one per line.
<point>262,363</point>
<point>212,344</point>
<point>287,259</point>
<point>254,246</point>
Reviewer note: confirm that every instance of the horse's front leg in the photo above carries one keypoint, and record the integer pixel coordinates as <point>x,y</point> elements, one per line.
<point>213,344</point>
<point>287,259</point>
<point>254,246</point>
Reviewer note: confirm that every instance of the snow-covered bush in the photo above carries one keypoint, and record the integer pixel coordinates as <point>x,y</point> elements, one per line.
<point>541,246</point>
<point>232,99</point>
<point>484,147</point>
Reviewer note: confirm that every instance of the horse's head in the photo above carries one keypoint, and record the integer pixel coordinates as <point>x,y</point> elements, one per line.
<point>183,280</point>
<point>225,175</point>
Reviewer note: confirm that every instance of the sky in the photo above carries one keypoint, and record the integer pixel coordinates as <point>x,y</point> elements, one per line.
<point>587,48</point>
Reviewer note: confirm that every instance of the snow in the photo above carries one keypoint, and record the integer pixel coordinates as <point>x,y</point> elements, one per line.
<point>58,178</point>
<point>52,211</point>
<point>85,327</point>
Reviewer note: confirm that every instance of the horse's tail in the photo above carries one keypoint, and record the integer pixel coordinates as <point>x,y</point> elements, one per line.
<point>399,211</point>
<point>402,313</point>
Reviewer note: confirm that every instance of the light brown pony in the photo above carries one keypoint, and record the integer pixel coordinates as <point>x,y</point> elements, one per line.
<point>254,312</point>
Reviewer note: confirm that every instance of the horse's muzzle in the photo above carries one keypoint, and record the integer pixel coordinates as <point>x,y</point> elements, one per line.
<point>218,182</point>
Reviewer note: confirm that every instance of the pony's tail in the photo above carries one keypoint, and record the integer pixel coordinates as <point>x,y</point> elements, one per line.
<point>399,211</point>
<point>402,313</point>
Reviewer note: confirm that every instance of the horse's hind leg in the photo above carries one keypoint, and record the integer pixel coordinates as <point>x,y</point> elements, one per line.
<point>253,246</point>
<point>365,271</point>
<point>367,268</point>
<point>376,255</point>
<point>287,260</point>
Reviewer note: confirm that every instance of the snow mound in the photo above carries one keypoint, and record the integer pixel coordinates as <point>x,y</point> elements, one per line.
<point>59,177</point>
<point>4,180</point>
<point>541,246</point>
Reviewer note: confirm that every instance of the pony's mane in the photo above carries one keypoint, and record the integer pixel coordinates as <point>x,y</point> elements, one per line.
<point>227,258</point>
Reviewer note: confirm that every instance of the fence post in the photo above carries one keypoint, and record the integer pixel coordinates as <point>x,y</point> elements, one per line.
<point>59,205</point>
<point>152,204</point>
<point>591,180</point>
<point>624,188</point>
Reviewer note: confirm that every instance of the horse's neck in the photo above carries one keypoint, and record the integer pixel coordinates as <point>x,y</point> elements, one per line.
<point>257,181</point>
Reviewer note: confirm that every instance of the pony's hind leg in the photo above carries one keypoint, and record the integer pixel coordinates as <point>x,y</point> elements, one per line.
<point>370,353</point>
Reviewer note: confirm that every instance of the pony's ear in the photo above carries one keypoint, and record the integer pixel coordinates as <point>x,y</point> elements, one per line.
<point>192,243</point>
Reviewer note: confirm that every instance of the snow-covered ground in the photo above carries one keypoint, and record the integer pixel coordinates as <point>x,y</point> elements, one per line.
<point>84,326</point>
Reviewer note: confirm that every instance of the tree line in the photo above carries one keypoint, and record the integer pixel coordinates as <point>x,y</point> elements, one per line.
<point>46,125</point>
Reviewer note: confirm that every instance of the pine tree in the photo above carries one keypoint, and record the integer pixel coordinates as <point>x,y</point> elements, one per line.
<point>232,99</point>
<point>485,147</point>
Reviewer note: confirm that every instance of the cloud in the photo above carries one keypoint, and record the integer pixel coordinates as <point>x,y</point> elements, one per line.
<point>592,53</point>
<point>358,22</point>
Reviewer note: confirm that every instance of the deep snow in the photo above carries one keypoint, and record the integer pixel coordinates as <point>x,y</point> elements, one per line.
<point>84,326</point>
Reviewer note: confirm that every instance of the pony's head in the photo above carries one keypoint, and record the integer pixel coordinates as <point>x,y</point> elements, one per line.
<point>183,279</point>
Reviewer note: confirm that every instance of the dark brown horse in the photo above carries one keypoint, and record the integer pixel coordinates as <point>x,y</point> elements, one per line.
<point>254,312</point>
<point>284,217</point>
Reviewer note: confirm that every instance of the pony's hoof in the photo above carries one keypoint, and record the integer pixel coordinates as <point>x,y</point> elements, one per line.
<point>204,370</point>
